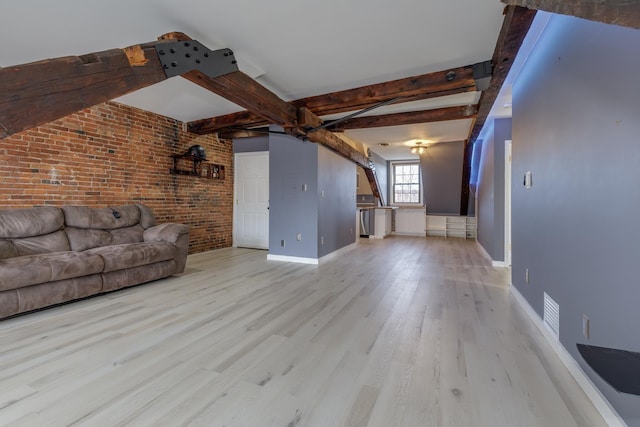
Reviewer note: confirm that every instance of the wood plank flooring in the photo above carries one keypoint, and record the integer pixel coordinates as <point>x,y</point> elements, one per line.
<point>403,331</point>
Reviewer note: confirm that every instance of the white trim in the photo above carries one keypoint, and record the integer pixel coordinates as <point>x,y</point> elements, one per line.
<point>601,403</point>
<point>507,201</point>
<point>500,264</point>
<point>297,259</point>
<point>392,165</point>
<point>234,224</point>
<point>313,261</point>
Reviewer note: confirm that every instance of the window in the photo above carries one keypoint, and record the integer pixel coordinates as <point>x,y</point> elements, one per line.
<point>406,183</point>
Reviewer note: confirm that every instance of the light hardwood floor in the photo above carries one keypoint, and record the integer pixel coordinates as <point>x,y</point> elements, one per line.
<point>396,332</point>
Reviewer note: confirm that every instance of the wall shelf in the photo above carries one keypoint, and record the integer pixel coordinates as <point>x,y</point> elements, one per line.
<point>196,167</point>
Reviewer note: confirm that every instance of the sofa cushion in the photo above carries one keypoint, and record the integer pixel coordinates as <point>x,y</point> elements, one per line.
<point>81,239</point>
<point>118,257</point>
<point>120,236</point>
<point>35,269</point>
<point>7,249</point>
<point>52,242</point>
<point>101,218</point>
<point>8,303</point>
<point>147,219</point>
<point>18,223</point>
<point>37,296</point>
<point>133,276</point>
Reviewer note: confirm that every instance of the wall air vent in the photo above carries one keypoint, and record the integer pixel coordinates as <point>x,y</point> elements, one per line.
<point>551,314</point>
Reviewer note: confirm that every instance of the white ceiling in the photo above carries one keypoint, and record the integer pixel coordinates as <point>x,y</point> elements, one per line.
<point>296,48</point>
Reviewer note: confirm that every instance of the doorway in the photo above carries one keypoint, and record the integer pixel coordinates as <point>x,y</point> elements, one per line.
<point>251,197</point>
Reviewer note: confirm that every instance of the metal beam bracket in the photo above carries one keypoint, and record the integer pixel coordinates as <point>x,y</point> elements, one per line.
<point>482,72</point>
<point>180,57</point>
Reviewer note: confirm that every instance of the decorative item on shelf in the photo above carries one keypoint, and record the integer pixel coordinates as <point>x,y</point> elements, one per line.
<point>199,167</point>
<point>196,152</point>
<point>418,148</point>
<point>215,171</point>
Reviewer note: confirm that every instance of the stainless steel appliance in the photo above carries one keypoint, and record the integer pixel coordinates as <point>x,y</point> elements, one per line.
<point>367,222</point>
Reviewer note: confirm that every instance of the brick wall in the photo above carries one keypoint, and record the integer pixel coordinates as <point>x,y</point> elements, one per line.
<point>113,154</point>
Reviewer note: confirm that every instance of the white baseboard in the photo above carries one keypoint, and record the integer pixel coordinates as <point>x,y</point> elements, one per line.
<point>601,403</point>
<point>486,254</point>
<point>299,260</point>
<point>313,261</point>
<point>396,233</point>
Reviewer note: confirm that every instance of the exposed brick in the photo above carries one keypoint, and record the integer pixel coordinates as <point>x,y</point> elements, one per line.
<point>113,154</point>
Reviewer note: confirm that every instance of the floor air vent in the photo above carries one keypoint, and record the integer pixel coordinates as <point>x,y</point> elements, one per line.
<point>551,314</point>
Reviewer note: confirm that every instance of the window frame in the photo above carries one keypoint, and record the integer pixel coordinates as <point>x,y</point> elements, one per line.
<point>393,183</point>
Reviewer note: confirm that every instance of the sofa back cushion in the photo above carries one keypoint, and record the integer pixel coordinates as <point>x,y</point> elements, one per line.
<point>101,218</point>
<point>17,223</point>
<point>147,219</point>
<point>89,228</point>
<point>52,242</point>
<point>31,231</point>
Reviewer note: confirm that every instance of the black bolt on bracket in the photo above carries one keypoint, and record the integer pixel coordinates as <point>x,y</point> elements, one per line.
<point>179,57</point>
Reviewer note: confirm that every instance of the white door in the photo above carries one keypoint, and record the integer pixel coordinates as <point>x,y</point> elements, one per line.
<point>251,196</point>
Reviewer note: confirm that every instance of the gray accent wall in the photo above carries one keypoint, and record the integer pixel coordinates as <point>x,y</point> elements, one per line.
<point>441,168</point>
<point>490,188</point>
<point>312,194</point>
<point>575,127</point>
<point>292,209</point>
<point>336,202</point>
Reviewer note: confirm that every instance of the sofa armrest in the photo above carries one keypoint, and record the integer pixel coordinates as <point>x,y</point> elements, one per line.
<point>177,234</point>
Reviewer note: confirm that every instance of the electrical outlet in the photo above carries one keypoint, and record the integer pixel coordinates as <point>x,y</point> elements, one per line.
<point>322,240</point>
<point>322,194</point>
<point>304,187</point>
<point>299,237</point>
<point>585,326</point>
<point>526,275</point>
<point>282,243</point>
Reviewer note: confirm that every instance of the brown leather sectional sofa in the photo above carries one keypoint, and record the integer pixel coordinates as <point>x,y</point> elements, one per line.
<point>50,255</point>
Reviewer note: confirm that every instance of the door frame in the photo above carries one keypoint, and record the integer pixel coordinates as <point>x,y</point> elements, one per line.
<point>508,150</point>
<point>235,191</point>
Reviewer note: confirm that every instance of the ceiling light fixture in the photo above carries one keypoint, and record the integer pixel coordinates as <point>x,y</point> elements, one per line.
<point>418,148</point>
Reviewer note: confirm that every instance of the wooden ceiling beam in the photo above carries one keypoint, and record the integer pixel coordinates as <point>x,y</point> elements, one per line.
<point>222,123</point>
<point>455,80</point>
<point>408,118</point>
<point>618,12</point>
<point>516,24</point>
<point>425,86</point>
<point>242,90</point>
<point>230,133</point>
<point>40,92</point>
<point>307,119</point>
